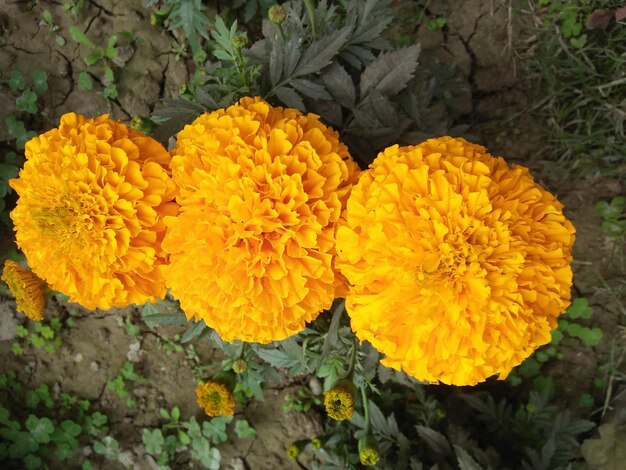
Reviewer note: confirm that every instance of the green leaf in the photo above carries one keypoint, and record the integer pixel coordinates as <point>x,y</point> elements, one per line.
<point>310,89</point>
<point>557,337</point>
<point>48,17</point>
<point>93,58</point>
<point>40,82</point>
<point>71,428</point>
<point>277,358</point>
<point>183,437</point>
<point>153,441</point>
<point>27,102</point>
<point>215,429</point>
<point>78,36</point>
<point>108,447</point>
<point>40,428</point>
<point>193,331</point>
<point>580,309</point>
<point>84,81</point>
<point>16,81</point>
<point>175,413</point>
<point>465,460</point>
<point>243,430</point>
<point>591,336</point>
<point>189,15</point>
<point>290,98</point>
<point>156,319</point>
<point>16,129</point>
<point>321,53</point>
<point>390,72</point>
<point>212,459</point>
<point>32,462</point>
<point>340,85</point>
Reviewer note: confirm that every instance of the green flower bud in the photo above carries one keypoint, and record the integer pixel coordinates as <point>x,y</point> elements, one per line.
<point>239,41</point>
<point>142,124</point>
<point>276,14</point>
<point>368,451</point>
<point>240,366</point>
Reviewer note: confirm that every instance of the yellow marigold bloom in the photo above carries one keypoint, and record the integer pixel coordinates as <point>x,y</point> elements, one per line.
<point>215,399</point>
<point>339,402</point>
<point>92,196</point>
<point>261,191</point>
<point>459,264</point>
<point>27,289</point>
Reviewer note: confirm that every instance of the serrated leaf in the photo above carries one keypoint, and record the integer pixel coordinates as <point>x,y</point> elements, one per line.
<point>156,319</point>
<point>290,98</point>
<point>291,54</point>
<point>390,72</point>
<point>378,420</point>
<point>435,440</point>
<point>310,89</point>
<point>385,112</point>
<point>193,331</point>
<point>277,358</point>
<point>465,460</point>
<point>276,63</point>
<point>321,53</point>
<point>340,85</point>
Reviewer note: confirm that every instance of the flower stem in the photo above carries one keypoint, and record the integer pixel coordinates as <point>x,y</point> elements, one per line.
<point>310,9</point>
<point>366,410</point>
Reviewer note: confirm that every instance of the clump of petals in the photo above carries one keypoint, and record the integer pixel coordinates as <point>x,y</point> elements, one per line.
<point>89,218</point>
<point>27,288</point>
<point>261,191</point>
<point>459,265</point>
<point>215,398</point>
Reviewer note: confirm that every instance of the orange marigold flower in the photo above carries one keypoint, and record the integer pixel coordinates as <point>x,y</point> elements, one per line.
<point>27,288</point>
<point>92,196</point>
<point>215,398</point>
<point>261,191</point>
<point>459,265</point>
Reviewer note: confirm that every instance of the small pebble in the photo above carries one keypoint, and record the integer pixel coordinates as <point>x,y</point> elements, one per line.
<point>78,358</point>
<point>94,366</point>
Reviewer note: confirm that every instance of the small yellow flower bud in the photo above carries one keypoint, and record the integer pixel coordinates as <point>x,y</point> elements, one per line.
<point>276,14</point>
<point>296,449</point>
<point>240,366</point>
<point>142,124</point>
<point>368,452</point>
<point>317,443</point>
<point>239,41</point>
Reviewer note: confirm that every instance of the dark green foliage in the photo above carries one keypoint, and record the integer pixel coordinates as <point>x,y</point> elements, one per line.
<point>334,63</point>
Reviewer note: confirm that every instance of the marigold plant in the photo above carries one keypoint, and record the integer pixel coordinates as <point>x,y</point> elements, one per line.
<point>261,191</point>
<point>215,398</point>
<point>27,288</point>
<point>459,265</point>
<point>89,218</point>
